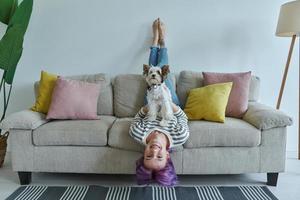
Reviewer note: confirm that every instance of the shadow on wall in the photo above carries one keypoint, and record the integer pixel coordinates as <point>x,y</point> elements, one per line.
<point>2,30</point>
<point>240,46</point>
<point>22,97</point>
<point>226,52</point>
<point>139,50</point>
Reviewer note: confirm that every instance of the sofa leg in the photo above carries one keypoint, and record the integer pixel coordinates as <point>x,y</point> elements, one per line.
<point>272,179</point>
<point>25,178</point>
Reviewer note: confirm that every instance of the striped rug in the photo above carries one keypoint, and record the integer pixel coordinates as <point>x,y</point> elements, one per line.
<point>94,192</point>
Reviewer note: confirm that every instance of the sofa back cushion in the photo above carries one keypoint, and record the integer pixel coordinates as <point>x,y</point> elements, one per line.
<point>129,94</point>
<point>190,79</point>
<point>105,100</point>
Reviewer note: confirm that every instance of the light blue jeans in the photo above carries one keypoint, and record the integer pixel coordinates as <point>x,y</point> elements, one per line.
<point>159,57</point>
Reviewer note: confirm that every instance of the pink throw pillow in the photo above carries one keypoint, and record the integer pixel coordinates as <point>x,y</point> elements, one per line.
<point>238,99</point>
<point>72,99</point>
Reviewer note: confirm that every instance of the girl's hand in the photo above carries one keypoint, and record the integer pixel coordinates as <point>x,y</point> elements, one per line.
<point>175,107</point>
<point>145,109</point>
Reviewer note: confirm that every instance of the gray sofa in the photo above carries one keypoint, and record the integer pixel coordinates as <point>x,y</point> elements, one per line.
<point>254,144</point>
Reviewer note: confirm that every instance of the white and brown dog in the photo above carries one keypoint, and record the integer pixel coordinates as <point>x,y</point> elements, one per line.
<point>158,94</point>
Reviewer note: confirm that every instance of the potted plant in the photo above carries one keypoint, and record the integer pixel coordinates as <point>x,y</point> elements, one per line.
<point>16,17</point>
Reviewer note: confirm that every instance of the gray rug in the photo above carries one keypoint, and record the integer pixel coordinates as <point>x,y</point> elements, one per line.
<point>94,192</point>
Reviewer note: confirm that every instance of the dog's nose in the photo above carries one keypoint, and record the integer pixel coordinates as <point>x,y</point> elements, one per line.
<point>153,75</point>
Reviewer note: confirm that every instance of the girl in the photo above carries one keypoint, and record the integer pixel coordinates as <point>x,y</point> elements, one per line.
<point>156,163</point>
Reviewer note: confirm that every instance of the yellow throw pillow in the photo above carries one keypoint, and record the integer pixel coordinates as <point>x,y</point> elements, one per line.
<point>45,90</point>
<point>208,102</point>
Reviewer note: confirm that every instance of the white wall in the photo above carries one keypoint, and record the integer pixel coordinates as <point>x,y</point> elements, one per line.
<point>79,37</point>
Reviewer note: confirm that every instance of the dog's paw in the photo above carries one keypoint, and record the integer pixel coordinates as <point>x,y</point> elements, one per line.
<point>169,116</point>
<point>152,117</point>
<point>163,123</point>
<point>159,114</point>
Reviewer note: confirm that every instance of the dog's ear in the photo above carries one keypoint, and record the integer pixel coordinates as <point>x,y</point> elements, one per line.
<point>146,69</point>
<point>164,71</point>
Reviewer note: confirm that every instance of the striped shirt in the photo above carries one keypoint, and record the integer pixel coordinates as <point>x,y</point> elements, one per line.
<point>177,129</point>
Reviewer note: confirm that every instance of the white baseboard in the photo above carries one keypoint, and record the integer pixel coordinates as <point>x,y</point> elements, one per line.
<point>292,154</point>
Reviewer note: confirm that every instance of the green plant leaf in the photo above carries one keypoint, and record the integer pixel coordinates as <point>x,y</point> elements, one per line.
<point>7,8</point>
<point>22,15</point>
<point>10,51</point>
<point>11,45</point>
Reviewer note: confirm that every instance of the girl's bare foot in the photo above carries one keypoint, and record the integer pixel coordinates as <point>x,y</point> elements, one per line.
<point>162,33</point>
<point>155,32</point>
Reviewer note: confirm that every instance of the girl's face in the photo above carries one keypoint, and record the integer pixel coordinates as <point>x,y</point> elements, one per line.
<point>156,154</point>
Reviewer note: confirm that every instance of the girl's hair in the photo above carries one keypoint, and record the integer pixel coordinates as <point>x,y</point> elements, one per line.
<point>166,176</point>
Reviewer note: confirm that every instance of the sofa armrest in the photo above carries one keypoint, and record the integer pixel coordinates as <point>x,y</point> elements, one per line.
<point>264,117</point>
<point>25,119</point>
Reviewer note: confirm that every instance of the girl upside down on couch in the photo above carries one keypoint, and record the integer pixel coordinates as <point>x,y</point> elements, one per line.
<point>156,164</point>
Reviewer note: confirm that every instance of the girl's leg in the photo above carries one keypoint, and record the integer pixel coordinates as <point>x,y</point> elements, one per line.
<point>153,55</point>
<point>163,60</point>
<point>162,57</point>
<point>154,48</point>
<point>163,51</point>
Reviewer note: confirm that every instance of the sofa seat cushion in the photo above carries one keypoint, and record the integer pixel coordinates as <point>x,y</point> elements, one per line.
<point>232,133</point>
<point>118,137</point>
<point>74,132</point>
